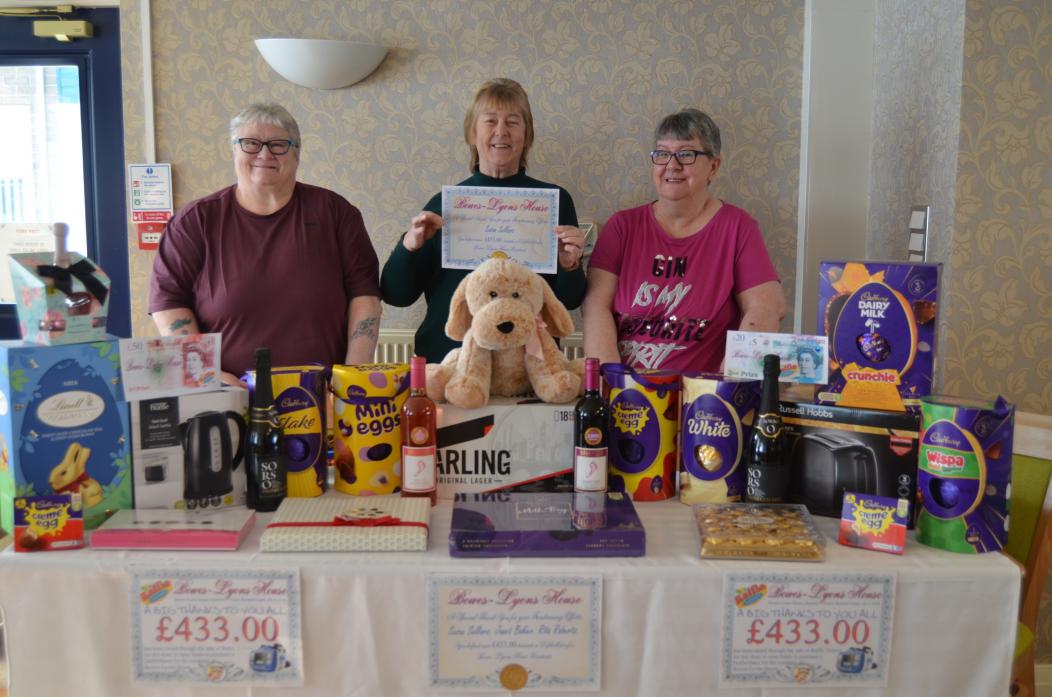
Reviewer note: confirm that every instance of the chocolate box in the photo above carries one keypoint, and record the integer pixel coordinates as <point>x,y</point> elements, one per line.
<point>965,477</point>
<point>838,449</point>
<point>63,427</point>
<point>507,445</point>
<point>881,320</point>
<point>59,305</point>
<point>506,524</point>
<point>188,450</point>
<point>49,523</point>
<point>718,413</point>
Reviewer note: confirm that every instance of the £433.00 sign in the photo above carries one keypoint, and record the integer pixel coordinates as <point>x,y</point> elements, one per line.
<point>792,629</point>
<point>238,626</point>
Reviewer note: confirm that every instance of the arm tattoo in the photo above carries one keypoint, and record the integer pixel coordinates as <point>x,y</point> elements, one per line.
<point>178,324</point>
<point>366,328</point>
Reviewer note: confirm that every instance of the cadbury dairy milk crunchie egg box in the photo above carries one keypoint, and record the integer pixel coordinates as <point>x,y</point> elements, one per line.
<point>881,320</point>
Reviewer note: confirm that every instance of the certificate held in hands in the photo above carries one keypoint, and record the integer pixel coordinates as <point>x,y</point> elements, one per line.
<point>480,222</point>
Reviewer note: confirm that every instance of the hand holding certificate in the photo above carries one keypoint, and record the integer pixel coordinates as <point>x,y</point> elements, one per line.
<point>517,223</point>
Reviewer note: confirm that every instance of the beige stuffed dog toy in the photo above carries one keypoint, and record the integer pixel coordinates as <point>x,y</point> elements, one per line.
<point>506,316</point>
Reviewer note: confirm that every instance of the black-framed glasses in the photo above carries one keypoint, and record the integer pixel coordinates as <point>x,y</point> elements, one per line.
<point>252,146</point>
<point>684,157</point>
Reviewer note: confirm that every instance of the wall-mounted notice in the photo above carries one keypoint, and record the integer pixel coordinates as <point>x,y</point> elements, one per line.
<point>150,192</point>
<point>14,239</point>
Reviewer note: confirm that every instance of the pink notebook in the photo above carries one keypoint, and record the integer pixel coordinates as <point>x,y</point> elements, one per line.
<point>222,529</point>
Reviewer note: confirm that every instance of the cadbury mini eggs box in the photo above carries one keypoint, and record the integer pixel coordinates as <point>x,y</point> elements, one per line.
<point>367,407</point>
<point>881,320</point>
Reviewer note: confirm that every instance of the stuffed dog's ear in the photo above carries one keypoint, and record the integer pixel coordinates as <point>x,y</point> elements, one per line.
<point>554,313</point>
<point>459,320</point>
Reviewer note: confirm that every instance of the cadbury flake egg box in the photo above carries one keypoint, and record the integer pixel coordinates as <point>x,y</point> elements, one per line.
<point>644,425</point>
<point>299,399</point>
<point>965,473</point>
<point>367,450</point>
<point>880,318</point>
<point>717,420</point>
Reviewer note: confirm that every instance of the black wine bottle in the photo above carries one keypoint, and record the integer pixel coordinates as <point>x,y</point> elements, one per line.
<point>766,457</point>
<point>591,422</point>
<point>267,467</point>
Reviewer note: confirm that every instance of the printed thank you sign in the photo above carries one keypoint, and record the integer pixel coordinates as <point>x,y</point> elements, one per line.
<point>786,630</point>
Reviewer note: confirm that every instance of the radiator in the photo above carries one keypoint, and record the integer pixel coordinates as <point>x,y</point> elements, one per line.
<point>396,346</point>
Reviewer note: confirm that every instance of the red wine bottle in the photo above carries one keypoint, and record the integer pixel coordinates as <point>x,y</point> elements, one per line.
<point>591,424</point>
<point>766,457</point>
<point>418,436</point>
<point>265,459</point>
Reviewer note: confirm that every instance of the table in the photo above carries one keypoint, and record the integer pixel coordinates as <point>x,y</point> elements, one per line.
<point>365,629</point>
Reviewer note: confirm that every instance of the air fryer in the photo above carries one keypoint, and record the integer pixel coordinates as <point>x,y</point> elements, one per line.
<point>209,456</point>
<point>825,465</point>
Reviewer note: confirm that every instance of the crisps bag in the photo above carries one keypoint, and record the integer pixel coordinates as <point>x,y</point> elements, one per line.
<point>367,450</point>
<point>644,424</point>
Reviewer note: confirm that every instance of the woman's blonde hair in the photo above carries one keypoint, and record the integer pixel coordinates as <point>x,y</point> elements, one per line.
<point>500,92</point>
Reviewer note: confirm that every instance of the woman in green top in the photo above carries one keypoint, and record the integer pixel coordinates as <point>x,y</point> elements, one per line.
<point>499,130</point>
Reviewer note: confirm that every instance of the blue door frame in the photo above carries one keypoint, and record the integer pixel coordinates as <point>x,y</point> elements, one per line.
<point>102,121</point>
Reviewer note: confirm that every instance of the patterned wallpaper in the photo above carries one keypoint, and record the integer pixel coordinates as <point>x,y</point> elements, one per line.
<point>916,118</point>
<point>599,75</point>
<point>999,300</point>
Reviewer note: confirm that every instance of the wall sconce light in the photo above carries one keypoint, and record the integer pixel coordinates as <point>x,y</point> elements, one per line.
<point>321,63</point>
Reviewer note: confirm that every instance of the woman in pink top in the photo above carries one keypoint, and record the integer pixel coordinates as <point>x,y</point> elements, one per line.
<point>669,278</point>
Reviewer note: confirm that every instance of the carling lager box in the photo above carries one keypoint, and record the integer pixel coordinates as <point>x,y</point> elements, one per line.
<point>508,445</point>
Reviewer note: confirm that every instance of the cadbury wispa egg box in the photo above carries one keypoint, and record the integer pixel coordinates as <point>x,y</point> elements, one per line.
<point>63,427</point>
<point>881,319</point>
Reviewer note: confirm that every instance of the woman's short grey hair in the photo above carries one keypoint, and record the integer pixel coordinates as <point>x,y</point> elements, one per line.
<point>688,124</point>
<point>268,113</point>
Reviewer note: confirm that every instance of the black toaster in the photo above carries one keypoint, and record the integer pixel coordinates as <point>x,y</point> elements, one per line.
<point>825,465</point>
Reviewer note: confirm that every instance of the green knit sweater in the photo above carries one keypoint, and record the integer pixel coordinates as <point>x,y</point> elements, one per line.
<point>407,275</point>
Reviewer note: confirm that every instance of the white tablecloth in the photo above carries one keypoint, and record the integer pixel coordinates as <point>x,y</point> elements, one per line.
<point>365,630</point>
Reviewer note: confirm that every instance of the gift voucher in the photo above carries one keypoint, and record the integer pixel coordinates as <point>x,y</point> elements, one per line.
<point>480,222</point>
<point>167,366</point>
<point>515,632</point>
<point>804,357</point>
<point>786,629</point>
<point>216,626</point>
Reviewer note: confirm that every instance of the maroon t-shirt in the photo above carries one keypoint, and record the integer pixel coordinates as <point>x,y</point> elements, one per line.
<point>282,280</point>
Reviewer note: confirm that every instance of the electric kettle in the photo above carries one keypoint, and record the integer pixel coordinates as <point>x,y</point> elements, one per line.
<point>210,456</point>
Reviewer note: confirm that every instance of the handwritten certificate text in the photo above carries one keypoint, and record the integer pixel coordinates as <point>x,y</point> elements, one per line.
<point>480,222</point>
<point>515,632</point>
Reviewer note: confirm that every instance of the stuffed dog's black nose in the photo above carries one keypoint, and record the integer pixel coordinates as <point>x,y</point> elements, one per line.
<point>506,327</point>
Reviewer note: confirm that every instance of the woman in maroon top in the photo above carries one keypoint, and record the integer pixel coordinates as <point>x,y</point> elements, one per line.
<point>269,261</point>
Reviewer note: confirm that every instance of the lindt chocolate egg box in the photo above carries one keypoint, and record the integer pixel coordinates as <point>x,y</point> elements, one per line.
<point>63,427</point>
<point>881,320</point>
<point>545,525</point>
